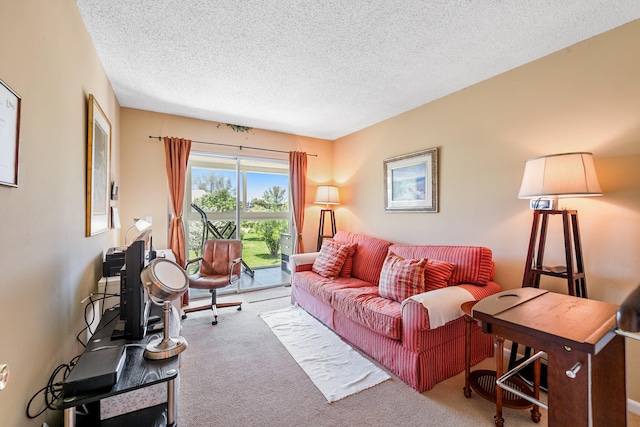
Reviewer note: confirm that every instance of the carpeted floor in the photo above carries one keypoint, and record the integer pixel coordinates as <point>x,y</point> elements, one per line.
<point>238,373</point>
<point>267,294</point>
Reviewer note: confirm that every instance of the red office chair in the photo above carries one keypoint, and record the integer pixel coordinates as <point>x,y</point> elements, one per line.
<point>220,266</point>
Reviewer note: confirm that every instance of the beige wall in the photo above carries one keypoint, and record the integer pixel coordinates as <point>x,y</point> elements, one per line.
<point>584,98</point>
<point>143,185</point>
<point>47,264</point>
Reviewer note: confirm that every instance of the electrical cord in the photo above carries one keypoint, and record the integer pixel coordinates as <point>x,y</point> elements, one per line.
<point>91,303</point>
<point>53,390</point>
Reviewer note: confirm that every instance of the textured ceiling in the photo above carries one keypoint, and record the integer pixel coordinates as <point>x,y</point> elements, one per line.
<point>324,68</point>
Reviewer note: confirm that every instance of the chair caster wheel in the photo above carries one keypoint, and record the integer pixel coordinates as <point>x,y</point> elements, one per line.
<point>184,316</point>
<point>215,322</point>
<point>239,308</point>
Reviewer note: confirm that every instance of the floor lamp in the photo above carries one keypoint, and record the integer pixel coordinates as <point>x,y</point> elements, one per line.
<point>326,195</point>
<point>545,179</point>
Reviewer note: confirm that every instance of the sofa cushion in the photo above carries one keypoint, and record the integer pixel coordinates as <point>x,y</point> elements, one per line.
<point>400,278</point>
<point>473,263</point>
<point>323,288</point>
<point>330,259</point>
<point>368,258</point>
<point>437,274</point>
<point>366,307</point>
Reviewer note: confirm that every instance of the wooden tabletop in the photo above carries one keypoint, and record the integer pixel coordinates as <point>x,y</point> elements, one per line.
<point>579,323</point>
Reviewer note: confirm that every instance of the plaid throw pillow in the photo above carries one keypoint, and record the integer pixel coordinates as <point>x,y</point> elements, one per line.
<point>400,278</point>
<point>330,259</point>
<point>437,274</point>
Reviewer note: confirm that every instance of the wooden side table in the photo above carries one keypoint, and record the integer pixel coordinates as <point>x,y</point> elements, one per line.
<point>585,357</point>
<point>483,381</point>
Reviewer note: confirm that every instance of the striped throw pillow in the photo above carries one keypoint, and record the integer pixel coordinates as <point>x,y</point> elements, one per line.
<point>330,259</point>
<point>401,278</point>
<point>437,274</point>
<point>348,263</point>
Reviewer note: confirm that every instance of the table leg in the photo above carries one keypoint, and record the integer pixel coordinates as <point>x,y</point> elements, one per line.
<point>499,368</point>
<point>70,417</point>
<point>171,403</point>
<point>535,411</point>
<point>467,355</point>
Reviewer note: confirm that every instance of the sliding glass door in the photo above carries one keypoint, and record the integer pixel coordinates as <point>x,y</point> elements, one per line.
<point>238,198</point>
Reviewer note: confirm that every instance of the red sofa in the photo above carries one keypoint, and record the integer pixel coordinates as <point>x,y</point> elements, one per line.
<point>421,339</point>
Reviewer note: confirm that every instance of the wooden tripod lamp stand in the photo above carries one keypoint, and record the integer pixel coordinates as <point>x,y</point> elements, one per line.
<point>545,179</point>
<point>326,195</point>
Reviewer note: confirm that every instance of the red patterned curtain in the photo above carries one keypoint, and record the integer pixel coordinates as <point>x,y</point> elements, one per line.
<point>177,154</point>
<point>298,180</point>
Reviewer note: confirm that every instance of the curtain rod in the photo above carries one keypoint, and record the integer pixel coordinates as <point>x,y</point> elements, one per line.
<point>236,146</point>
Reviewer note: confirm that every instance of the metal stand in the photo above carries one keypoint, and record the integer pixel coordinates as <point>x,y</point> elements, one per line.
<point>166,347</point>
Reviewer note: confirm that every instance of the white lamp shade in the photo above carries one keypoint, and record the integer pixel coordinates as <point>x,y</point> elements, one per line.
<point>327,195</point>
<point>560,175</point>
<point>141,224</point>
<point>138,224</point>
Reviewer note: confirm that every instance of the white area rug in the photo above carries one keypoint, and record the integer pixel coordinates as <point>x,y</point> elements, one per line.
<point>334,367</point>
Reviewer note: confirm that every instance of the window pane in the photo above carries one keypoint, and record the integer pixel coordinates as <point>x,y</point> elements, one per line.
<point>213,190</point>
<point>261,242</point>
<point>267,192</point>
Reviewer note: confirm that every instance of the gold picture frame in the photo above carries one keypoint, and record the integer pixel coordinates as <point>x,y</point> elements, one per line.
<point>98,169</point>
<point>10,103</point>
<point>411,182</point>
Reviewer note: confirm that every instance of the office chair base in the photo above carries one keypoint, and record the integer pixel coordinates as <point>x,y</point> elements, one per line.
<point>214,308</point>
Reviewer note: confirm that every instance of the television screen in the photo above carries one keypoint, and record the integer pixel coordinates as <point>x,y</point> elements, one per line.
<point>134,307</point>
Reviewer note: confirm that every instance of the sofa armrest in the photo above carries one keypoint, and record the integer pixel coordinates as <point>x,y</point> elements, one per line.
<point>431,310</point>
<point>302,262</point>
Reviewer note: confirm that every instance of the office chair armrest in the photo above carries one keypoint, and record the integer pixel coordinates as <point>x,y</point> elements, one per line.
<point>231,267</point>
<point>191,261</point>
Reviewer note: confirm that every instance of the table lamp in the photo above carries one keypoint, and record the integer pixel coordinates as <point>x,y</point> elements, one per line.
<point>164,281</point>
<point>326,195</point>
<point>139,224</point>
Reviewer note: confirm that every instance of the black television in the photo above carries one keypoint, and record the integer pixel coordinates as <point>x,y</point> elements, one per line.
<point>134,307</point>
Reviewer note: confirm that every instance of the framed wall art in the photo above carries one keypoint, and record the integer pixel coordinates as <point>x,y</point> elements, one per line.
<point>98,169</point>
<point>411,182</point>
<point>10,103</point>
